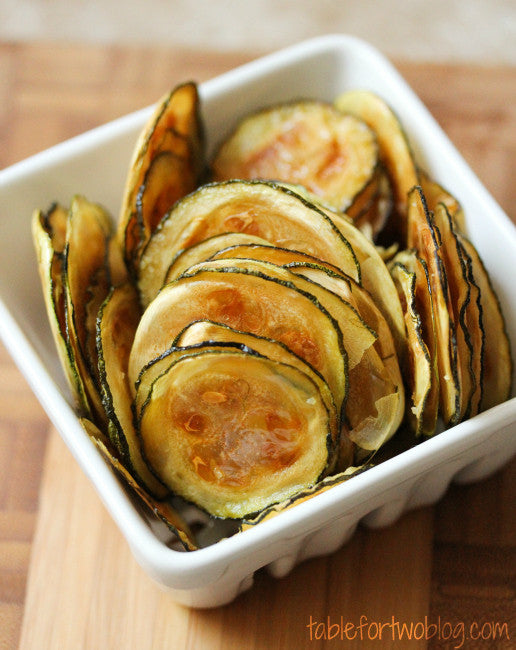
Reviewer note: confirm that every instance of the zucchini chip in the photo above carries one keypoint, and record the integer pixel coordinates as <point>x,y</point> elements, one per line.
<point>265,210</point>
<point>49,237</point>
<point>372,208</point>
<point>248,301</point>
<point>208,332</point>
<point>426,239</point>
<point>466,314</point>
<point>270,253</point>
<point>395,150</point>
<point>356,335</point>
<point>193,339</point>
<point>86,284</point>
<point>497,366</point>
<point>152,370</point>
<point>160,509</point>
<point>420,369</point>
<point>204,249</point>
<point>436,193</point>
<point>376,279</point>
<point>376,398</point>
<point>234,432</point>
<point>116,325</point>
<point>309,143</point>
<point>167,164</point>
<point>377,358</point>
<point>375,405</point>
<point>303,495</point>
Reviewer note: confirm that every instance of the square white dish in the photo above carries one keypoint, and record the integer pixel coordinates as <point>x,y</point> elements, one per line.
<point>95,164</point>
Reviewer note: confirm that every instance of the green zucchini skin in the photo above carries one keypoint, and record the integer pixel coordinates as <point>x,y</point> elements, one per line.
<point>477,308</point>
<point>160,364</point>
<point>205,249</point>
<point>497,360</point>
<point>304,495</point>
<point>267,252</point>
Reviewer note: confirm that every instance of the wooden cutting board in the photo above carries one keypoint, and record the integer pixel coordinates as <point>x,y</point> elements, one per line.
<point>67,577</point>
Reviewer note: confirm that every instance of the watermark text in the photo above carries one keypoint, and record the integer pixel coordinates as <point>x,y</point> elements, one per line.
<point>367,629</point>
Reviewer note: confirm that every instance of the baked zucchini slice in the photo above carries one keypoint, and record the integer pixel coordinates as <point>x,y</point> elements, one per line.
<point>375,278</point>
<point>86,285</point>
<point>265,210</point>
<point>49,237</point>
<point>209,332</point>
<point>420,368</point>
<point>377,376</point>
<point>160,509</point>
<point>395,150</point>
<point>248,301</point>
<point>116,325</point>
<point>309,143</point>
<point>167,163</point>
<point>435,193</point>
<point>235,432</point>
<point>269,253</point>
<point>372,208</point>
<point>204,249</point>
<point>374,405</point>
<point>426,240</point>
<point>376,358</point>
<point>466,313</point>
<point>152,370</point>
<point>220,337</point>
<point>85,270</point>
<point>303,495</point>
<point>497,367</point>
<point>356,335</point>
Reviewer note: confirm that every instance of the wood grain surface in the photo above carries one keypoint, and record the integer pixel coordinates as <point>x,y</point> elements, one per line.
<point>68,579</point>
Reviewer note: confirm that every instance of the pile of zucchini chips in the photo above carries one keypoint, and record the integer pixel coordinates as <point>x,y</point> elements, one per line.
<point>257,325</point>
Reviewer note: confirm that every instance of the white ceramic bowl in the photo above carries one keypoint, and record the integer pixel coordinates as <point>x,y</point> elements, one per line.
<point>95,164</point>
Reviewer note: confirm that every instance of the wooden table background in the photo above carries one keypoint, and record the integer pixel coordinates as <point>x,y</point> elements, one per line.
<point>67,578</point>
